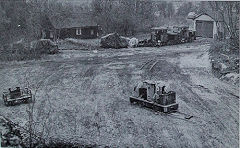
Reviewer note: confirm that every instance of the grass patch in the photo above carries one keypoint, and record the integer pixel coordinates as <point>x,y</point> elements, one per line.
<point>8,53</point>
<point>79,44</point>
<point>27,50</point>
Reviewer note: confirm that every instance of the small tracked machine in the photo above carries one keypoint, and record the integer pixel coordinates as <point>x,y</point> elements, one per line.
<point>151,95</point>
<point>18,95</point>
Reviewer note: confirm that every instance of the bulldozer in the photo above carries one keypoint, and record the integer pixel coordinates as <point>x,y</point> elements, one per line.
<point>151,95</point>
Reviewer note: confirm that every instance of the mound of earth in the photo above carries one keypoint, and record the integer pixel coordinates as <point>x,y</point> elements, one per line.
<point>113,40</point>
<point>44,46</point>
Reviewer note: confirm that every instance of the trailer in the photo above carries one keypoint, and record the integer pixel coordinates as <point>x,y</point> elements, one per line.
<point>16,96</point>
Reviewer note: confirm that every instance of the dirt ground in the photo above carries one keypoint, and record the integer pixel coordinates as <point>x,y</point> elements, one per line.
<point>87,94</point>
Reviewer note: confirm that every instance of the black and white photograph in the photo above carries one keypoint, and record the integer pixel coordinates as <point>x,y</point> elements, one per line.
<point>119,74</point>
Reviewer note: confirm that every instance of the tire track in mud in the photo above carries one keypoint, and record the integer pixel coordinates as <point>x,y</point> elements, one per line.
<point>88,77</point>
<point>124,79</point>
<point>110,107</point>
<point>174,130</point>
<point>225,98</point>
<point>121,125</point>
<point>155,72</point>
<point>198,102</point>
<point>176,134</point>
<point>206,107</point>
<point>196,122</point>
<point>62,71</point>
<point>125,76</point>
<point>113,109</point>
<point>203,106</point>
<point>52,77</point>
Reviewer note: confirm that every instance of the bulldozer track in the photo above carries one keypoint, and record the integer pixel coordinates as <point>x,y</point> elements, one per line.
<point>153,65</point>
<point>146,64</point>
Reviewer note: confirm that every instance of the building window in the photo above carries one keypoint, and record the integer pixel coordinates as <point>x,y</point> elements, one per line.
<point>78,31</point>
<point>92,32</point>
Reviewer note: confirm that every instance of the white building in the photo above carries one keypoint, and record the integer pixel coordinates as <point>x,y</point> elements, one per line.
<point>206,26</point>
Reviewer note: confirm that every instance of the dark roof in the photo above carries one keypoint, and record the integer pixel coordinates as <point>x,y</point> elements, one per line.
<point>80,20</point>
<point>203,14</point>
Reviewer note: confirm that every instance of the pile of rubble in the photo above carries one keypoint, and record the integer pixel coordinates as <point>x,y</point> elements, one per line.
<point>225,60</point>
<point>114,40</point>
<point>227,70</point>
<point>9,133</point>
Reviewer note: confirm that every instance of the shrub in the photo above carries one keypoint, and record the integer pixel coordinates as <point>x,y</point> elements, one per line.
<point>44,46</point>
<point>27,51</point>
<point>222,53</point>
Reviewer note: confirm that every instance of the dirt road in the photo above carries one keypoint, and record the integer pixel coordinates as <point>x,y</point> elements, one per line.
<point>87,94</point>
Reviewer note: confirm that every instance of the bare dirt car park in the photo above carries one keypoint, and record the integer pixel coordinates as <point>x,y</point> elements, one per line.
<point>122,84</point>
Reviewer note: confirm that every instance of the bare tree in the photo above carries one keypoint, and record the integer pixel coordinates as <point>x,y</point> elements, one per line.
<point>185,8</point>
<point>123,16</point>
<point>228,12</point>
<point>38,115</point>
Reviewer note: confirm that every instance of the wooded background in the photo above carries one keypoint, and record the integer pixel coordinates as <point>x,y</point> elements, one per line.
<point>22,19</point>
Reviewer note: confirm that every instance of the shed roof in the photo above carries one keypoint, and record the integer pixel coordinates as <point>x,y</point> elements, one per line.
<point>197,16</point>
<point>81,20</point>
<point>215,18</point>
